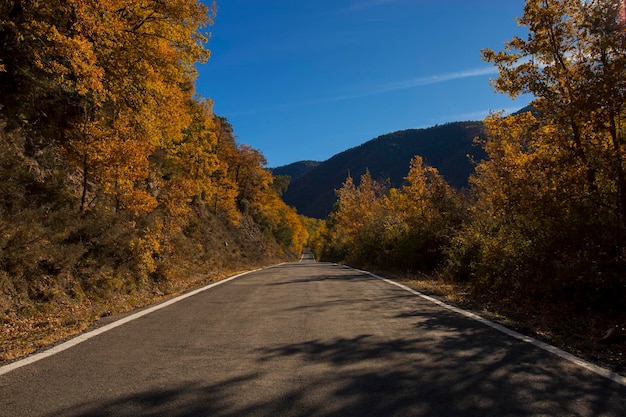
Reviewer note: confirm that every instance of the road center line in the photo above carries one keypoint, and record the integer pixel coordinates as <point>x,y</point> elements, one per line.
<point>606,373</point>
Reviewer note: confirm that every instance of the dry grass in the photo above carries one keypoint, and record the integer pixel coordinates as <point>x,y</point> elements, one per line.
<point>22,335</point>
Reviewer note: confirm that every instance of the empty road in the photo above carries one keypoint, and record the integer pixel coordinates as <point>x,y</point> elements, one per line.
<point>306,339</point>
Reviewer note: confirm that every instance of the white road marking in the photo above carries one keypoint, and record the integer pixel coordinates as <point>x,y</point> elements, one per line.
<point>606,373</point>
<point>302,257</point>
<point>613,376</point>
<point>88,335</point>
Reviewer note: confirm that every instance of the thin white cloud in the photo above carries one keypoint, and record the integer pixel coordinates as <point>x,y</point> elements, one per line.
<point>417,82</point>
<point>385,88</point>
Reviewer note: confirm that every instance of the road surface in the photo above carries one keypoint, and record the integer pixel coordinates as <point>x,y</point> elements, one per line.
<point>306,339</point>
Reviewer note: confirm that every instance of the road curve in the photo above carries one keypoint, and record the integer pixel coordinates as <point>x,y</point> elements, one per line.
<point>306,339</point>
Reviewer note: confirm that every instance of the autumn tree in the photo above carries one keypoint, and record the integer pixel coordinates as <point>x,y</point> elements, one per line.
<point>415,223</point>
<point>106,81</point>
<point>399,229</point>
<point>351,223</point>
<point>259,198</point>
<point>224,177</point>
<point>429,212</point>
<point>194,155</point>
<point>317,231</point>
<point>551,209</point>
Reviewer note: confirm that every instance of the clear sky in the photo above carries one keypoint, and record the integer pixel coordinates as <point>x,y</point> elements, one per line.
<point>304,79</point>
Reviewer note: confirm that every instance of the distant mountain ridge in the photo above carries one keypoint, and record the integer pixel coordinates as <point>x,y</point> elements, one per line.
<point>449,148</point>
<point>296,169</point>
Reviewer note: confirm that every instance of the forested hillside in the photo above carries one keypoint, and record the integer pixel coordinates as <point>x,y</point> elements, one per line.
<point>544,222</point>
<point>449,147</point>
<point>295,170</point>
<point>117,184</point>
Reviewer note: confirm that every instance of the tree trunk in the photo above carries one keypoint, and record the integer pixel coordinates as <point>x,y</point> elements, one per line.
<point>83,198</point>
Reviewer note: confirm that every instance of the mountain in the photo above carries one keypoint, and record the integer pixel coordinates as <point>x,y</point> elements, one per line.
<point>295,170</point>
<point>449,148</point>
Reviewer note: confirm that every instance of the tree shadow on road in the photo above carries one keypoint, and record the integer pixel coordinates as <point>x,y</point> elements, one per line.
<point>444,369</point>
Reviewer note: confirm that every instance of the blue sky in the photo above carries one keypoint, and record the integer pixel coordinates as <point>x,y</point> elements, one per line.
<point>301,79</point>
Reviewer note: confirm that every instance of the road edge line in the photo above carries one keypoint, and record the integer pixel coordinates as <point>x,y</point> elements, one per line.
<point>606,373</point>
<point>88,335</point>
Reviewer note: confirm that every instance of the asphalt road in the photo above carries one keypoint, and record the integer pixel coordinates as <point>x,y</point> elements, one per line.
<point>306,339</point>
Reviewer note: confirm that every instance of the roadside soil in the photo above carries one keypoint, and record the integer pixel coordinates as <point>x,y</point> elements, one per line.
<point>579,333</point>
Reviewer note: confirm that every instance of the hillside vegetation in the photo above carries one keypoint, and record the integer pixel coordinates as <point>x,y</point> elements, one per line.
<point>449,147</point>
<point>295,170</point>
<point>117,184</point>
<point>544,223</point>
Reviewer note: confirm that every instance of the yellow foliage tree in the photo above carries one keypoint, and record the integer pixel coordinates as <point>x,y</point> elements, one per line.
<point>107,79</point>
<point>405,228</point>
<point>352,223</point>
<point>550,218</point>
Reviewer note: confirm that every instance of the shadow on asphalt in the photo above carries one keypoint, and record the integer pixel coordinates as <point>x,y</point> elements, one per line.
<point>444,369</point>
<point>320,278</point>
